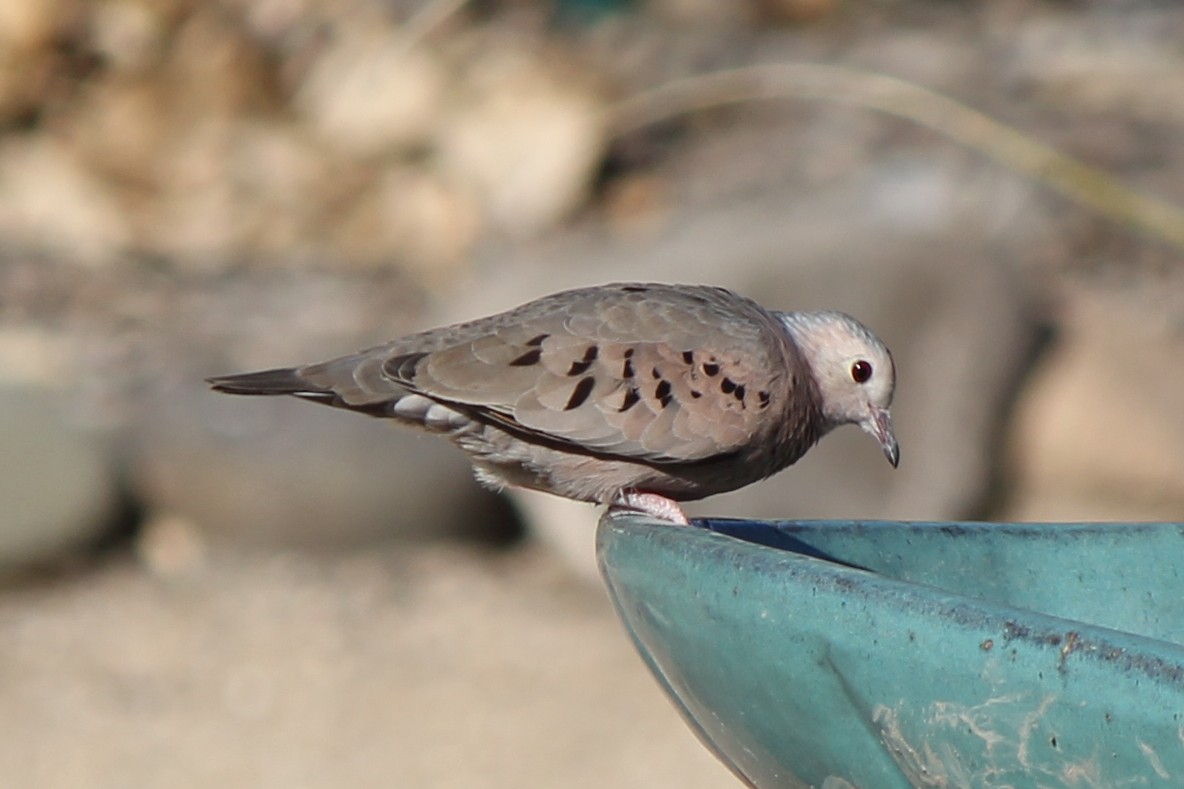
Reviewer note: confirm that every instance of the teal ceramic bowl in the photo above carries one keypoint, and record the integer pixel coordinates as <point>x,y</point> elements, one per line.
<point>880,655</point>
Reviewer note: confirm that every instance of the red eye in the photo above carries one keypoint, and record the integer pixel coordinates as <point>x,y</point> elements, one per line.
<point>861,371</point>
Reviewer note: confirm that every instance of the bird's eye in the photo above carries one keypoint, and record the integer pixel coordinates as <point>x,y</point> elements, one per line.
<point>861,371</point>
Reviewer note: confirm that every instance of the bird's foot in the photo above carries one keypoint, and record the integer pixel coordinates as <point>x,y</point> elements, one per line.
<point>660,507</point>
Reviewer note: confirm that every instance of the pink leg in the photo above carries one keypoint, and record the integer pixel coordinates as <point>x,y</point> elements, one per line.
<point>651,504</point>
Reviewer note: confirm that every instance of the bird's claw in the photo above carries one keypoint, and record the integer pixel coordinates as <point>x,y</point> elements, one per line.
<point>651,504</point>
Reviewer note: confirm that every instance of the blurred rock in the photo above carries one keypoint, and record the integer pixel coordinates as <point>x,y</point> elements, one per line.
<point>279,472</point>
<point>58,492</point>
<point>198,217</point>
<point>213,68</point>
<point>130,34</point>
<point>30,24</point>
<point>724,14</point>
<point>796,12</point>
<point>129,131</point>
<point>35,356</point>
<point>196,143</point>
<point>371,92</point>
<point>50,202</point>
<point>1098,433</point>
<point>258,189</point>
<point>411,216</point>
<point>1106,63</point>
<point>526,132</point>
<point>170,546</point>
<point>710,14</point>
<point>27,30</point>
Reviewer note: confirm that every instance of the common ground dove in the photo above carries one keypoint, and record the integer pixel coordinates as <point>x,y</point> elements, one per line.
<point>632,395</point>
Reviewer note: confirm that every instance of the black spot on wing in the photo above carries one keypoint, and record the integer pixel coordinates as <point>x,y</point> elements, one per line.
<point>688,357</point>
<point>662,393</point>
<point>527,359</point>
<point>627,368</point>
<point>580,393</point>
<point>727,386</point>
<point>711,368</point>
<point>581,366</point>
<point>632,397</point>
<point>537,340</point>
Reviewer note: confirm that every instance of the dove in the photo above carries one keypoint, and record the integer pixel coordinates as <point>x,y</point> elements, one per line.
<point>633,395</point>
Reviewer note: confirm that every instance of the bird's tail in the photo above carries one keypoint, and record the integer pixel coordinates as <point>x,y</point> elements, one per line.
<point>280,381</point>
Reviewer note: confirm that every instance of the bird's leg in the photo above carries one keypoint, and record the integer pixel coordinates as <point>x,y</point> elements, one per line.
<point>650,504</point>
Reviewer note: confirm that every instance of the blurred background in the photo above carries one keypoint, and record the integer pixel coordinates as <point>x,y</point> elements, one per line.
<point>200,590</point>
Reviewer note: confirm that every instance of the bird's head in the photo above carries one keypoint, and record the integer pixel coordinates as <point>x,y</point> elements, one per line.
<point>853,370</point>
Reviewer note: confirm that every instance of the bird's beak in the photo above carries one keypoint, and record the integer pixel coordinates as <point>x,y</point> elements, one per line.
<point>879,425</point>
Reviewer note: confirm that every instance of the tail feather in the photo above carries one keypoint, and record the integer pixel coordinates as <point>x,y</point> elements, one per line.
<point>290,381</point>
<point>280,381</point>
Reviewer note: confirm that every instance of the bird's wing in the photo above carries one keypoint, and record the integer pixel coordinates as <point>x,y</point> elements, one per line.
<point>665,374</point>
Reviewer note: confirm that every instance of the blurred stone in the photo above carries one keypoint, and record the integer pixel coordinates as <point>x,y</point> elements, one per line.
<point>278,21</point>
<point>1098,433</point>
<point>171,546</point>
<point>165,123</point>
<point>284,181</point>
<point>915,55</point>
<point>31,24</point>
<point>796,12</point>
<point>413,216</point>
<point>27,29</point>
<point>129,34</point>
<point>526,132</point>
<point>128,129</point>
<point>214,70</point>
<point>371,92</point>
<point>1088,63</point>
<point>711,14</point>
<point>36,356</point>
<point>247,189</point>
<point>286,473</point>
<point>636,204</point>
<point>50,202</point>
<point>58,492</point>
<point>17,76</point>
<point>198,219</point>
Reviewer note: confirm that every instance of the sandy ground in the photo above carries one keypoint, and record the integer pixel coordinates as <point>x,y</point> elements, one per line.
<point>419,666</point>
